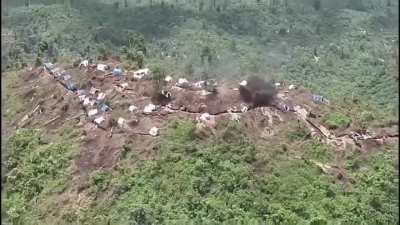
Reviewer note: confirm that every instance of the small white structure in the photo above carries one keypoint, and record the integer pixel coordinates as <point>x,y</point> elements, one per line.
<point>182,82</point>
<point>149,108</point>
<point>92,112</point>
<point>102,67</point>
<point>243,83</point>
<point>199,84</point>
<point>101,96</point>
<point>99,120</point>
<point>204,93</point>
<point>153,131</point>
<point>277,84</point>
<point>84,63</point>
<point>121,121</point>
<point>244,109</point>
<point>140,74</point>
<point>81,98</point>
<point>168,79</point>
<point>167,94</point>
<point>124,85</point>
<point>132,108</point>
<point>86,101</point>
<point>205,117</point>
<point>292,86</point>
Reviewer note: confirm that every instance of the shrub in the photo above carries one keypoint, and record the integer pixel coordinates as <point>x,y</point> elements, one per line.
<point>336,120</point>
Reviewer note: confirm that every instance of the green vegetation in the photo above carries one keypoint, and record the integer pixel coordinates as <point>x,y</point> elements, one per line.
<point>35,168</point>
<point>214,183</point>
<point>336,120</point>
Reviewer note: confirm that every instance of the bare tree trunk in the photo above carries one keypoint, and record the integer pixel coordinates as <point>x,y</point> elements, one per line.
<point>126,3</point>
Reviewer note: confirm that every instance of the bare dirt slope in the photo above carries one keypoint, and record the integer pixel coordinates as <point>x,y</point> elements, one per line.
<point>49,105</point>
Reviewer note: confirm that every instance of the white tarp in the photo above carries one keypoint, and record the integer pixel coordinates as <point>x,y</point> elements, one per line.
<point>99,120</point>
<point>121,121</point>
<point>102,67</point>
<point>101,96</point>
<point>140,74</point>
<point>84,63</point>
<point>132,108</point>
<point>153,131</point>
<point>149,108</point>
<point>243,83</point>
<point>92,112</point>
<point>168,78</point>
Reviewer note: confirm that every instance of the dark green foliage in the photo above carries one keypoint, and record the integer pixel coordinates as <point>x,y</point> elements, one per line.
<point>214,183</point>
<point>299,134</point>
<point>32,167</point>
<point>336,120</point>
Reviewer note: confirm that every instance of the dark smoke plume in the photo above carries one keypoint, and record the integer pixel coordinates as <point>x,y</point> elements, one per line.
<point>257,92</point>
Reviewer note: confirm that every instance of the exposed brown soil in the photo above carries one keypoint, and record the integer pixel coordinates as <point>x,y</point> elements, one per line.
<point>58,107</point>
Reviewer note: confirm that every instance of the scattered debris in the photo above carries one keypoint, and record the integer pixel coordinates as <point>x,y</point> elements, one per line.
<point>132,108</point>
<point>149,108</point>
<point>153,131</point>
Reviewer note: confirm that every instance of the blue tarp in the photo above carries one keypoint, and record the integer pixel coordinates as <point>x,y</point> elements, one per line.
<point>117,72</point>
<point>49,66</point>
<point>66,77</point>
<point>318,98</point>
<point>104,107</point>
<point>72,86</point>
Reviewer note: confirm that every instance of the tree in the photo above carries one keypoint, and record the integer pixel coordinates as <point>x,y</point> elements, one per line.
<point>206,52</point>
<point>126,3</point>
<point>136,42</point>
<point>201,5</point>
<point>317,5</point>
<point>27,3</point>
